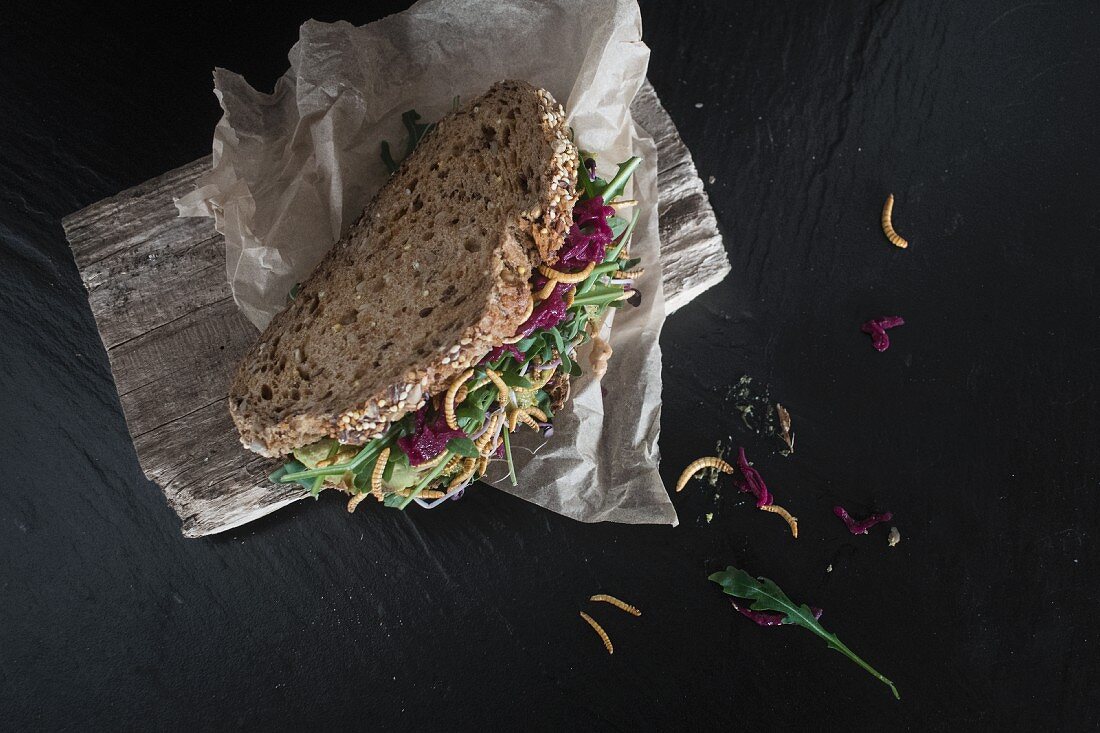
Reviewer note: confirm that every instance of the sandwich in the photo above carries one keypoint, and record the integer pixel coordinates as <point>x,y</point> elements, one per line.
<point>450,314</point>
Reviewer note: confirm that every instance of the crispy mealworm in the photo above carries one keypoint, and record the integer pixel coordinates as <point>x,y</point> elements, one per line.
<point>462,393</point>
<point>888,226</point>
<point>567,277</point>
<point>467,471</point>
<point>528,420</point>
<point>546,289</point>
<point>776,509</point>
<point>482,464</point>
<point>617,603</point>
<point>599,630</point>
<point>424,493</point>
<point>376,474</point>
<point>785,433</point>
<point>453,463</point>
<point>570,294</point>
<point>433,462</point>
<point>700,463</point>
<point>536,412</point>
<point>354,501</point>
<point>502,388</point>
<point>449,398</point>
<point>513,418</point>
<point>482,443</point>
<point>630,274</point>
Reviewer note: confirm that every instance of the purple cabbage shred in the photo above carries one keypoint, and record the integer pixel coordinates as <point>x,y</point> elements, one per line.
<point>861,526</point>
<point>499,351</point>
<point>549,312</point>
<point>588,237</point>
<point>877,327</point>
<point>768,618</point>
<point>751,481</point>
<point>429,439</point>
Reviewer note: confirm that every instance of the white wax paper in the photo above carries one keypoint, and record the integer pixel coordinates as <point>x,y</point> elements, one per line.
<point>294,168</point>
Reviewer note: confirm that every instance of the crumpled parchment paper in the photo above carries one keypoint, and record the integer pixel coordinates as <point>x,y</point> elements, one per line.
<point>294,168</point>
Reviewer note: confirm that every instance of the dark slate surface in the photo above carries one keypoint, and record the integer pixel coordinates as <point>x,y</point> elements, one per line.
<point>978,427</point>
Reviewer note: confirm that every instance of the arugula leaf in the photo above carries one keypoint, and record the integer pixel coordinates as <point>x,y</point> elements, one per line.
<point>618,226</point>
<point>370,450</point>
<point>526,344</point>
<point>463,447</point>
<point>589,282</point>
<point>767,596</point>
<point>468,411</point>
<point>291,466</point>
<point>425,481</point>
<point>613,253</point>
<point>618,183</point>
<point>515,380</point>
<point>397,461</point>
<point>569,333</point>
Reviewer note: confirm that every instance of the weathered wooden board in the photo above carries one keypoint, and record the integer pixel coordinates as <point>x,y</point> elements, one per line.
<point>157,287</point>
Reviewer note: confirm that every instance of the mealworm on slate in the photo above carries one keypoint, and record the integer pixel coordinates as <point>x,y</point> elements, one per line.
<point>599,630</point>
<point>701,463</point>
<point>888,226</point>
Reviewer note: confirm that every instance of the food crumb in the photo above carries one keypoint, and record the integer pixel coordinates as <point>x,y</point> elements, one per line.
<point>698,105</point>
<point>829,569</point>
<point>709,516</point>
<point>894,537</point>
<point>711,179</point>
<point>712,474</point>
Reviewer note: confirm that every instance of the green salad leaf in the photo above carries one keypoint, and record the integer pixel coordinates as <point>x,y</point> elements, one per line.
<point>616,185</point>
<point>291,466</point>
<point>463,447</point>
<point>767,596</point>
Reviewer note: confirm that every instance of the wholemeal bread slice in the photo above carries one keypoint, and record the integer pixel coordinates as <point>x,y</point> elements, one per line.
<point>432,275</point>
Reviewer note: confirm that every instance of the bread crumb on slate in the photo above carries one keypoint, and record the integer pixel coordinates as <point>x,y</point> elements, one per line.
<point>894,537</point>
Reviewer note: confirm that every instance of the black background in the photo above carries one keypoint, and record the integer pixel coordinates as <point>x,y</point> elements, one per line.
<point>978,427</point>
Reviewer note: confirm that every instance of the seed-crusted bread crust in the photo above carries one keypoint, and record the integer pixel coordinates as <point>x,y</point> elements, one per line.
<point>432,275</point>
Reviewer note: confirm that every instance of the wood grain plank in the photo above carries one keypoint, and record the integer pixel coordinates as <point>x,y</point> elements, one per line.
<point>693,257</point>
<point>157,287</point>
<point>134,217</point>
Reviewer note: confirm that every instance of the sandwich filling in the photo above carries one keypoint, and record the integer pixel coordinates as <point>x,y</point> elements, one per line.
<point>433,454</point>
